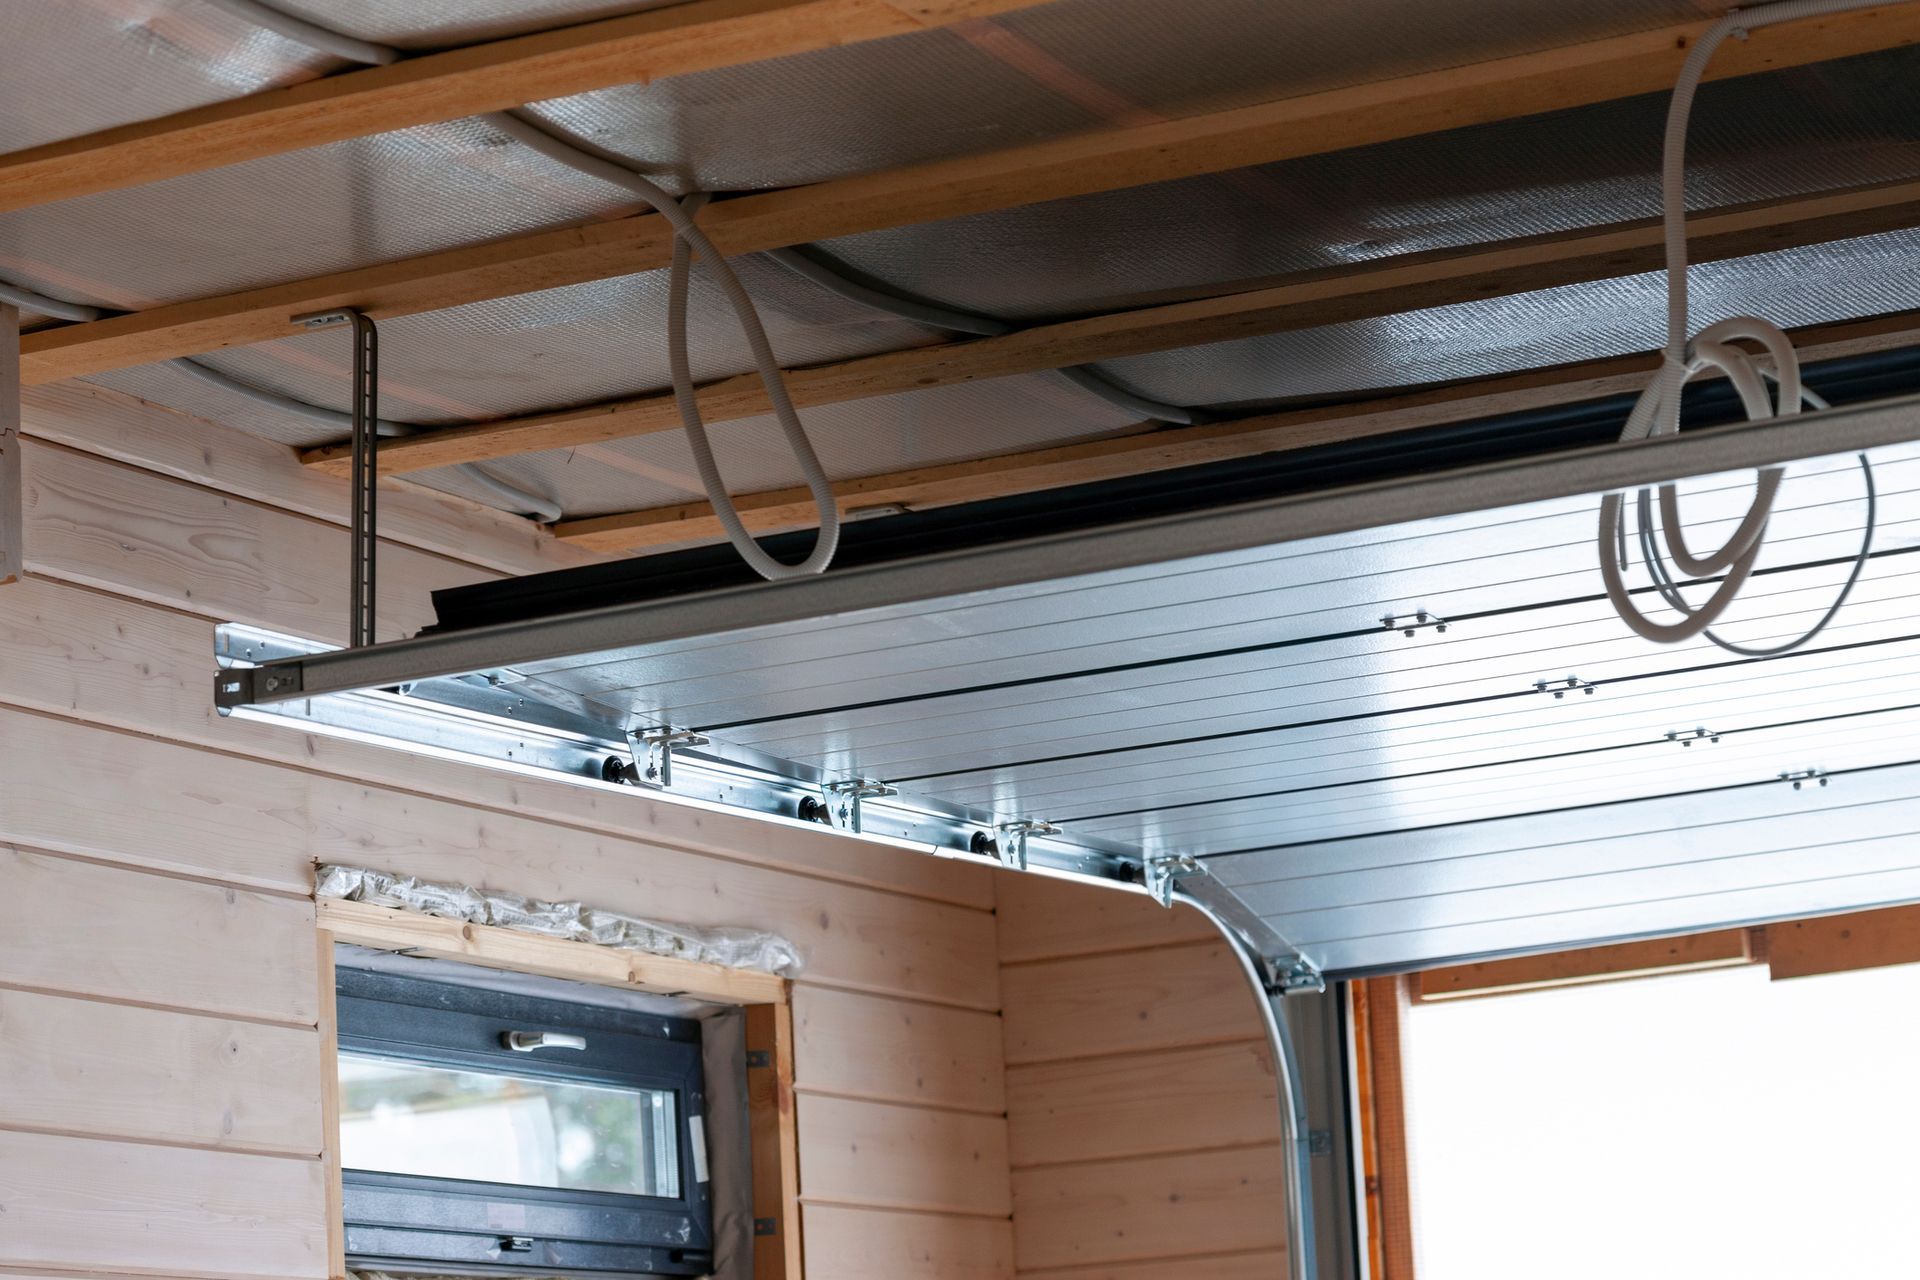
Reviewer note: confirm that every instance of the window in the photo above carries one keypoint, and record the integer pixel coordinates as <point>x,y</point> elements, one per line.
<point>489,1130</point>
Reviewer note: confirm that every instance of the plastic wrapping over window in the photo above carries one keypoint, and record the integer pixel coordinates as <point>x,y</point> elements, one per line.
<point>731,947</point>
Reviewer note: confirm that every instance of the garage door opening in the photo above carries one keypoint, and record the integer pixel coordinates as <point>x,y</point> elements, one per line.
<point>1704,1123</point>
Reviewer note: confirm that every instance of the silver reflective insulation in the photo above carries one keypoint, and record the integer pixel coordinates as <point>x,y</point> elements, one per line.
<point>980,84</point>
<point>74,67</point>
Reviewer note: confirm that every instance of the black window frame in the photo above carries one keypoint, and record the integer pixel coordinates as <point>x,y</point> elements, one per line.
<point>412,1222</point>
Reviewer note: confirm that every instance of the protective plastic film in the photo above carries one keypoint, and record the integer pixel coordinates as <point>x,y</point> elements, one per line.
<point>734,948</point>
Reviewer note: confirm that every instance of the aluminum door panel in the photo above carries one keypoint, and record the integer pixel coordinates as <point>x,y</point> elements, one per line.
<point>1734,694</point>
<point>1514,648</point>
<point>1338,588</point>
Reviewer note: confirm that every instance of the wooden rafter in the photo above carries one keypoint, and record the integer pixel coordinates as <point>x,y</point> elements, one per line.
<point>635,49</point>
<point>1392,286</point>
<point>1083,164</point>
<point>1148,450</point>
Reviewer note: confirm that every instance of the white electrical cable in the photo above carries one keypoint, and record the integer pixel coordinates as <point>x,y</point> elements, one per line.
<point>1657,412</point>
<point>679,215</point>
<point>690,239</point>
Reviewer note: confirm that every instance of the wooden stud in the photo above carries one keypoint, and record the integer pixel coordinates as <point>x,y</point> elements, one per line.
<point>1838,944</point>
<point>636,49</point>
<point>495,947</point>
<point>1108,160</point>
<point>1148,448</point>
<point>776,1143</point>
<point>1385,1003</point>
<point>1724,949</point>
<point>1393,286</point>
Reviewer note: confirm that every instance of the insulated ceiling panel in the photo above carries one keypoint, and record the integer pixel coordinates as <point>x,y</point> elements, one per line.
<point>1239,686</point>
<point>1755,138</point>
<point>84,65</point>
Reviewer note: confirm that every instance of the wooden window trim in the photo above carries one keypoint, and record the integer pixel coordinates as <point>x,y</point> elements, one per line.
<point>766,998</point>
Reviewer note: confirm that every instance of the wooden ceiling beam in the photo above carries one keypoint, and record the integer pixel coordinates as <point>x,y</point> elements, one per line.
<point>1149,449</point>
<point>1392,286</point>
<point>1083,164</point>
<point>636,49</point>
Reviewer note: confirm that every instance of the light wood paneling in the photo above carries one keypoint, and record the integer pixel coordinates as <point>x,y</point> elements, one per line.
<point>899,1051</point>
<point>1835,944</point>
<point>76,789</point>
<point>1143,1104</point>
<point>112,661</point>
<point>1170,998</point>
<point>123,529</point>
<point>77,927</point>
<point>1043,919</point>
<point>1160,1207</point>
<point>864,1244</point>
<point>82,1204</point>
<point>117,426</point>
<point>89,1067</point>
<point>188,810</point>
<point>882,1156</point>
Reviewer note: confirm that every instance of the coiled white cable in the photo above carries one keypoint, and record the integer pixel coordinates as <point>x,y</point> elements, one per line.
<point>1657,412</point>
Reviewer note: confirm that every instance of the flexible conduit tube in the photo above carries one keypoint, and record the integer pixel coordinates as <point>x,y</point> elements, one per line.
<point>1657,412</point>
<point>1301,1264</point>
<point>302,32</point>
<point>520,500</point>
<point>936,316</point>
<point>689,239</point>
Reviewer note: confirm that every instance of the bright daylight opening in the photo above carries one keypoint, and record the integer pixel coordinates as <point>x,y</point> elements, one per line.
<point>1707,1124</point>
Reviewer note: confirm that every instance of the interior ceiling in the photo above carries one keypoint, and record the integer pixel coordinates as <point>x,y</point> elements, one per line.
<point>1049,71</point>
<point>1378,797</point>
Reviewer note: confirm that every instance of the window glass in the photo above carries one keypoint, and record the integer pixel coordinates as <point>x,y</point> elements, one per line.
<point>450,1122</point>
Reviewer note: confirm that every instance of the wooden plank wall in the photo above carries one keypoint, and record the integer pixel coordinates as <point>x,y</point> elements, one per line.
<point>1143,1118</point>
<point>159,1005</point>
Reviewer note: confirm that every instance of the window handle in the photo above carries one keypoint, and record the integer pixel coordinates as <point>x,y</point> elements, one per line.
<point>528,1041</point>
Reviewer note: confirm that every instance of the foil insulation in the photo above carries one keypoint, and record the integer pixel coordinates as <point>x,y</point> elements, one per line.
<point>80,66</point>
<point>981,84</point>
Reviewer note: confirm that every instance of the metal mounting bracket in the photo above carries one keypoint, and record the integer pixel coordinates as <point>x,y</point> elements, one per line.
<point>1559,688</point>
<point>853,791</point>
<point>1800,777</point>
<point>13,505</point>
<point>1687,737</point>
<point>655,746</point>
<point>1013,850</point>
<point>1300,978</point>
<point>365,541</point>
<point>1163,874</point>
<point>1408,623</point>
